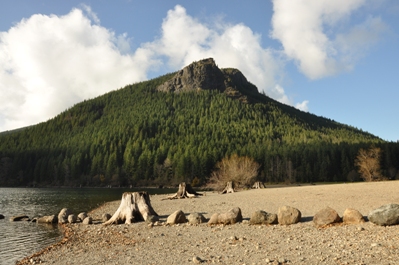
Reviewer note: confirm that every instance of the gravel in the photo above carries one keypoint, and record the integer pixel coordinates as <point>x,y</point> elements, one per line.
<point>242,243</point>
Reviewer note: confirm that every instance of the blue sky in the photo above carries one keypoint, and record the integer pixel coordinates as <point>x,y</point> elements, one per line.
<point>337,59</point>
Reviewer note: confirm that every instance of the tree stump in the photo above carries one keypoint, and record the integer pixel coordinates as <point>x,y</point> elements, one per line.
<point>258,185</point>
<point>135,206</point>
<point>229,188</point>
<point>185,191</point>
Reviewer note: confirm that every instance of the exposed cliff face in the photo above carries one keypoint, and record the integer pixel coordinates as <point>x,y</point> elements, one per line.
<point>205,75</point>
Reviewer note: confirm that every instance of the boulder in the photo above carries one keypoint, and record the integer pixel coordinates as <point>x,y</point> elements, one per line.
<point>152,219</point>
<point>105,217</point>
<point>63,216</point>
<point>385,215</point>
<point>82,216</point>
<point>177,217</point>
<point>1,216</point>
<point>352,216</point>
<point>87,221</point>
<point>230,217</point>
<point>50,219</point>
<point>288,215</point>
<point>196,218</point>
<point>326,216</point>
<point>262,217</point>
<point>72,218</point>
<point>19,218</point>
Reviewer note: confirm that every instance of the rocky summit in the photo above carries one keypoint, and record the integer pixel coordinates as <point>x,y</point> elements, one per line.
<point>206,75</point>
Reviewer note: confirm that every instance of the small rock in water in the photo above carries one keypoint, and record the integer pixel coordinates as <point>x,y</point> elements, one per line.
<point>19,218</point>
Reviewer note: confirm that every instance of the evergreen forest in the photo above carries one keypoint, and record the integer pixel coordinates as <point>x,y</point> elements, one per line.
<point>139,136</point>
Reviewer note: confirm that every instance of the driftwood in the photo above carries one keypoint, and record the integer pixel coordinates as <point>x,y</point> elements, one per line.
<point>258,185</point>
<point>185,191</point>
<point>229,188</point>
<point>135,206</point>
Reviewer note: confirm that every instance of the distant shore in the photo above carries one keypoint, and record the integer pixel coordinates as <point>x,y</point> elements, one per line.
<point>241,243</point>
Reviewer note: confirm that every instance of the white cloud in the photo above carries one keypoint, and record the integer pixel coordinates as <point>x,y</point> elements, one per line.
<point>303,105</point>
<point>184,40</point>
<point>304,28</point>
<point>48,63</point>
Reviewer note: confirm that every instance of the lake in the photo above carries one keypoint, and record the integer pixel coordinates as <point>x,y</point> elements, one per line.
<point>22,239</point>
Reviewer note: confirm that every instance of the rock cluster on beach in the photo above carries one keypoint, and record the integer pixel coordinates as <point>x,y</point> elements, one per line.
<point>63,217</point>
<point>183,234</point>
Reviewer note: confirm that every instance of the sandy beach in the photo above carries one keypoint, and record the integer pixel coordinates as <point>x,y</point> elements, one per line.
<point>242,243</point>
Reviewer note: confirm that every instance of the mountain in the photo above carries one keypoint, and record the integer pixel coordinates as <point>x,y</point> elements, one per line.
<point>176,128</point>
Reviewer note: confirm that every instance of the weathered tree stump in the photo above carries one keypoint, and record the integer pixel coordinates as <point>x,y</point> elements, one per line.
<point>229,188</point>
<point>258,185</point>
<point>185,191</point>
<point>135,206</point>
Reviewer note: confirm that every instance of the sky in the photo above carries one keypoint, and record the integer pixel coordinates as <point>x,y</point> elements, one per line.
<point>336,59</point>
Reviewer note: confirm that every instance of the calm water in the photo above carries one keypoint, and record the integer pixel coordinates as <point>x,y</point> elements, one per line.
<point>21,239</point>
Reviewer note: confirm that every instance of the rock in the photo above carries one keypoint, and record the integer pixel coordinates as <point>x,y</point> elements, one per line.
<point>63,216</point>
<point>50,219</point>
<point>19,218</point>
<point>105,217</point>
<point>385,215</point>
<point>82,216</point>
<point>352,216</point>
<point>198,75</point>
<point>205,75</point>
<point>177,217</point>
<point>230,217</point>
<point>196,218</point>
<point>72,218</point>
<point>1,216</point>
<point>87,221</point>
<point>152,219</point>
<point>197,260</point>
<point>288,215</point>
<point>326,216</point>
<point>262,217</point>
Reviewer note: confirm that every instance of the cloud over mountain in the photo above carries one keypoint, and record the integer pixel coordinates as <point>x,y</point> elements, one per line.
<point>311,34</point>
<point>49,62</point>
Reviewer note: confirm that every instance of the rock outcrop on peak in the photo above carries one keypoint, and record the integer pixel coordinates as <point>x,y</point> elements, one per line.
<point>206,75</point>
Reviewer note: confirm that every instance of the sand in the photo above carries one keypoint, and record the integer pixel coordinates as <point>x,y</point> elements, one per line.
<point>242,243</point>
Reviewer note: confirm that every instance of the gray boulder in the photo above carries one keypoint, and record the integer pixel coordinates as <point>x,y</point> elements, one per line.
<point>177,217</point>
<point>352,216</point>
<point>196,218</point>
<point>87,221</point>
<point>63,216</point>
<point>50,219</point>
<point>288,215</point>
<point>82,216</point>
<point>230,217</point>
<point>105,217</point>
<point>262,217</point>
<point>385,215</point>
<point>326,216</point>
<point>72,218</point>
<point>152,219</point>
<point>19,218</point>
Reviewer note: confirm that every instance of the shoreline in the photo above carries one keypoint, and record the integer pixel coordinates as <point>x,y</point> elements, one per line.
<point>240,243</point>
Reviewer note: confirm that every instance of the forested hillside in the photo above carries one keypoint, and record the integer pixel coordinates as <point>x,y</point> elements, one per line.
<point>142,135</point>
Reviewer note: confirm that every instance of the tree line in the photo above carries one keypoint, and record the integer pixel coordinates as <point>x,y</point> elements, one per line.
<point>139,136</point>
